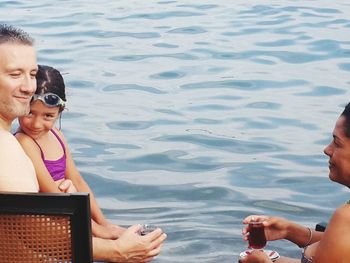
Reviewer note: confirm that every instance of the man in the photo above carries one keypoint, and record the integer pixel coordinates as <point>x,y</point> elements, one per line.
<point>18,67</point>
<point>17,85</point>
<point>334,244</point>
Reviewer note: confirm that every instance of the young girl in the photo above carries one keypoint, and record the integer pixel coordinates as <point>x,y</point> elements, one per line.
<point>48,150</point>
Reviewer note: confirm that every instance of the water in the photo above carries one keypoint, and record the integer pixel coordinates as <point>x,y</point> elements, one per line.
<point>193,114</point>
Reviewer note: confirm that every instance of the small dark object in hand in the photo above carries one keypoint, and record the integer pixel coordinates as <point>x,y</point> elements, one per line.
<point>145,229</point>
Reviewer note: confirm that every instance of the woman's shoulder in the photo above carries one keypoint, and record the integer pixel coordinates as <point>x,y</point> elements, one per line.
<point>340,219</point>
<point>342,213</point>
<point>334,245</point>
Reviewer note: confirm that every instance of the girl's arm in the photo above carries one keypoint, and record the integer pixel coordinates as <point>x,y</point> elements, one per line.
<point>73,174</point>
<point>334,245</point>
<point>46,183</point>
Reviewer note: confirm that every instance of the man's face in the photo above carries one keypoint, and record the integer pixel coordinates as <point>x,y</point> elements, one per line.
<point>339,154</point>
<point>18,69</point>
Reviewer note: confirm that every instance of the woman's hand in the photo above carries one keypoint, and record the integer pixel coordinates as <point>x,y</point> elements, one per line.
<point>257,256</point>
<point>275,227</point>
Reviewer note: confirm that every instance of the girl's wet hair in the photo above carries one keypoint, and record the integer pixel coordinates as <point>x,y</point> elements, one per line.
<point>50,80</point>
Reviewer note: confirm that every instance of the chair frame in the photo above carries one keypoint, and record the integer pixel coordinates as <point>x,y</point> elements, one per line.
<point>76,206</point>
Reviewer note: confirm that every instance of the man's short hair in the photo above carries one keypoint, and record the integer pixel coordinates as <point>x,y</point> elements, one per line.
<point>11,34</point>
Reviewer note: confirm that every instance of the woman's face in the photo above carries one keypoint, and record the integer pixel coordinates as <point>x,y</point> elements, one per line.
<point>40,120</point>
<point>339,154</point>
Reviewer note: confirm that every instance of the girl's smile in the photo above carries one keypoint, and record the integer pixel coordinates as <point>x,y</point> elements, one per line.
<point>40,120</point>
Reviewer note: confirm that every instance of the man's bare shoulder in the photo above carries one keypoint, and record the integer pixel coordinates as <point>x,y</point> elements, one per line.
<point>9,144</point>
<point>5,135</point>
<point>16,170</point>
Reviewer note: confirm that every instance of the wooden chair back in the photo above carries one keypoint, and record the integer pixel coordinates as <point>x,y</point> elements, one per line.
<point>42,227</point>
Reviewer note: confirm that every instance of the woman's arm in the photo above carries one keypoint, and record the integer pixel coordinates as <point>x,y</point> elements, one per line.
<point>302,236</point>
<point>280,228</point>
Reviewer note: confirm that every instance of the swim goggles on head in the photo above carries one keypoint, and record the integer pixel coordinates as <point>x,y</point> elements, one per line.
<point>49,99</point>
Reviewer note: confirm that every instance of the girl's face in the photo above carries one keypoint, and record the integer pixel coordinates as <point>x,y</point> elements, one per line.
<point>40,119</point>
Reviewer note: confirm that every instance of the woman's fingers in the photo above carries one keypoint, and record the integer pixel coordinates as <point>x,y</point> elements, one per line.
<point>257,218</point>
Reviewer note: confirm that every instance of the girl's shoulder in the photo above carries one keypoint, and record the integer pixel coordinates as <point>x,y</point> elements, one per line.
<point>28,143</point>
<point>60,134</point>
<point>24,138</point>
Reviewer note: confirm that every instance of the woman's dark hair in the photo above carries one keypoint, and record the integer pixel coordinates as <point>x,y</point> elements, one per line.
<point>50,80</point>
<point>346,114</point>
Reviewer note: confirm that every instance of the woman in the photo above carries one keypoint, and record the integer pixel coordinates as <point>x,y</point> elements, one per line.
<point>332,246</point>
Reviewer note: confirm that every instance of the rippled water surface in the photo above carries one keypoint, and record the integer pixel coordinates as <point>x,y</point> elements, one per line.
<point>193,114</point>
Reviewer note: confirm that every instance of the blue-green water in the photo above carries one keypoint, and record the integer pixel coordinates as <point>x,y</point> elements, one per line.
<point>193,114</point>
